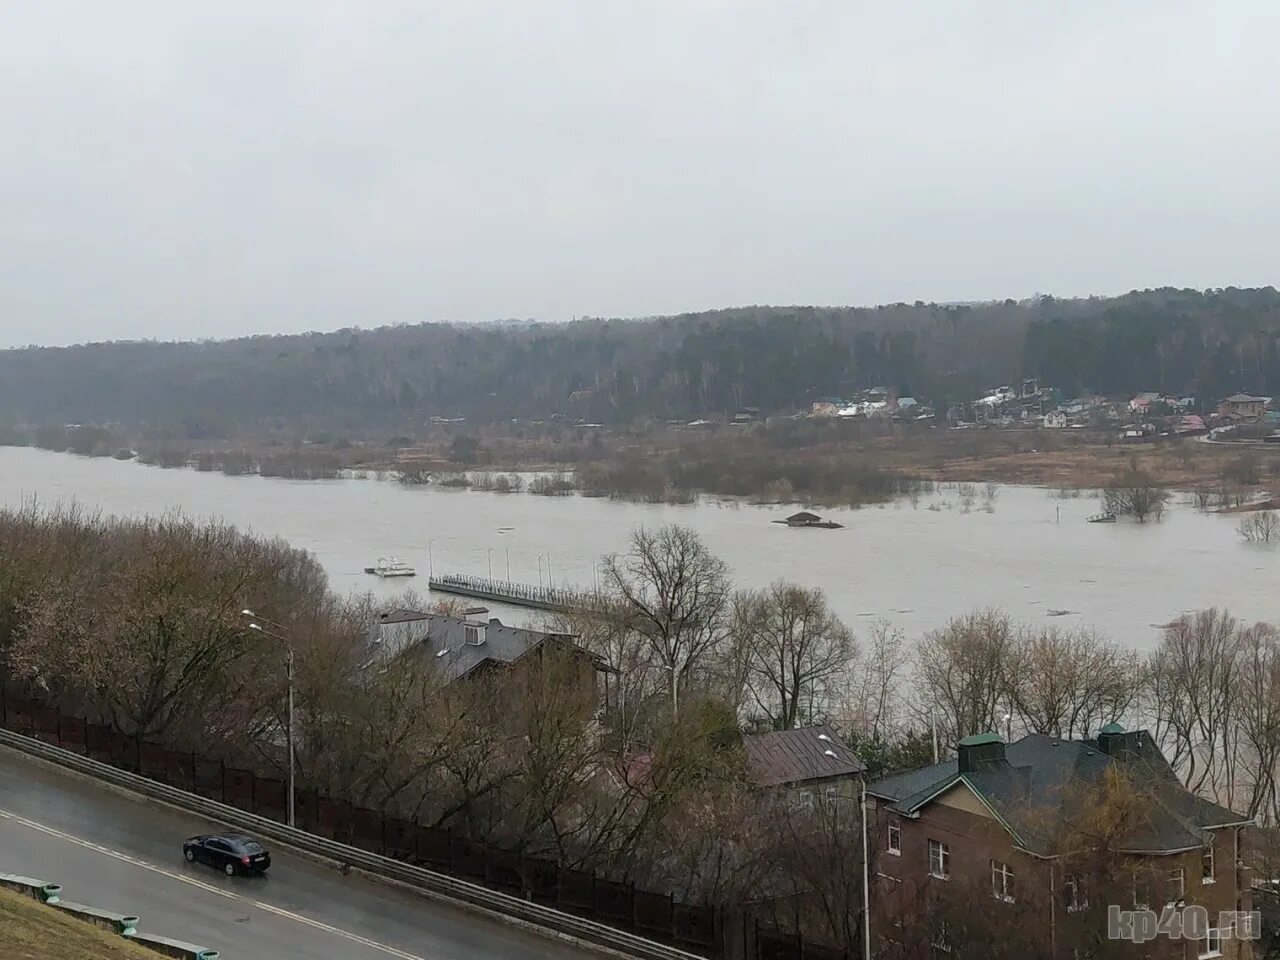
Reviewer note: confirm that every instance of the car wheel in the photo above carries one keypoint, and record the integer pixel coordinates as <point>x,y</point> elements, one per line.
<point>229,869</point>
<point>190,854</point>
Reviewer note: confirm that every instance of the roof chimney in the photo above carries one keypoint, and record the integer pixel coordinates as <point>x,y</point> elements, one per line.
<point>980,751</point>
<point>1115,742</point>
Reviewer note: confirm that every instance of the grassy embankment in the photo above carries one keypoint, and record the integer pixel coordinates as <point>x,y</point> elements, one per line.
<point>32,931</point>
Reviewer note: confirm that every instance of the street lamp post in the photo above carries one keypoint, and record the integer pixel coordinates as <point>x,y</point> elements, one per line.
<point>254,625</point>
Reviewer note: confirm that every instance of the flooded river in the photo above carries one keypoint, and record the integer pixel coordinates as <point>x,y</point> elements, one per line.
<point>1019,548</point>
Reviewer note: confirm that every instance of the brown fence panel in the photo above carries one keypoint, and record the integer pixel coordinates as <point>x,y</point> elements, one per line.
<point>466,858</point>
<point>17,716</point>
<point>366,829</point>
<point>306,811</point>
<point>71,734</point>
<point>821,951</point>
<point>400,837</point>
<point>44,725</point>
<point>124,752</point>
<point>615,901</point>
<point>151,760</point>
<point>209,778</point>
<point>775,945</point>
<point>180,770</point>
<point>577,891</point>
<point>696,925</point>
<point>334,819</point>
<point>503,870</point>
<point>97,739</point>
<point>433,847</point>
<point>654,912</point>
<point>270,798</point>
<point>237,788</point>
<point>542,880</point>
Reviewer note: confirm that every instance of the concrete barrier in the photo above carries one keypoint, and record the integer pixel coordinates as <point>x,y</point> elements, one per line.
<point>122,923</point>
<point>174,948</point>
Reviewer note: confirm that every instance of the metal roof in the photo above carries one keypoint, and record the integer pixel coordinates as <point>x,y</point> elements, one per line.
<point>1036,776</point>
<point>796,756</point>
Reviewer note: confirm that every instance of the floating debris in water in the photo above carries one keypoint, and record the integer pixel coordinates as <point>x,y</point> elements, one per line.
<point>1060,613</point>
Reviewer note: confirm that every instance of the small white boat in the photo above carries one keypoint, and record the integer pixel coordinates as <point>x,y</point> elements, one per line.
<point>1103,518</point>
<point>391,567</point>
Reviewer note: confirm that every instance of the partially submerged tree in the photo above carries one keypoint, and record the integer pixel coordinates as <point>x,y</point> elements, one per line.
<point>1135,494</point>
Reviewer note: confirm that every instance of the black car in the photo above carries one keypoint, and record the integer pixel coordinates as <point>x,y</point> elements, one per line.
<point>231,853</point>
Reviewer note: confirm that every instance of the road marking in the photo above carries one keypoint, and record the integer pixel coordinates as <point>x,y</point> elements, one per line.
<point>209,888</point>
<point>334,930</point>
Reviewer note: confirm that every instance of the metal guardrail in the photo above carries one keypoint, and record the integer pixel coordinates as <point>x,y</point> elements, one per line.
<point>504,905</point>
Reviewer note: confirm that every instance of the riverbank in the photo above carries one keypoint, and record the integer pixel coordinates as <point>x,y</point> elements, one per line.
<point>826,464</point>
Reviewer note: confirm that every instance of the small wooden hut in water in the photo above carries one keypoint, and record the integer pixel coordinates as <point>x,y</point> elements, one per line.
<point>806,519</point>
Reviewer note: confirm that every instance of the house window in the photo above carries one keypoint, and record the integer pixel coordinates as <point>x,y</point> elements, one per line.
<point>471,635</point>
<point>1141,892</point>
<point>1206,865</point>
<point>804,799</point>
<point>941,939</point>
<point>939,860</point>
<point>830,794</point>
<point>1211,945</point>
<point>1073,893</point>
<point>1177,884</point>
<point>895,837</point>
<point>1001,881</point>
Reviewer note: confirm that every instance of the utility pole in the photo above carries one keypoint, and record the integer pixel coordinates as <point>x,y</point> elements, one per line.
<point>866,878</point>
<point>289,729</point>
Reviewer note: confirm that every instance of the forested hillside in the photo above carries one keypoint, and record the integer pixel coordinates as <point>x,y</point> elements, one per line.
<point>777,358</point>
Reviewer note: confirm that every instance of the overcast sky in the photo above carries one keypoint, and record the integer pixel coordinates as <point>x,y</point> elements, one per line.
<point>181,170</point>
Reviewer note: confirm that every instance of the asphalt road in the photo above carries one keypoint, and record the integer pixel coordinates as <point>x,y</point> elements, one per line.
<point>124,854</point>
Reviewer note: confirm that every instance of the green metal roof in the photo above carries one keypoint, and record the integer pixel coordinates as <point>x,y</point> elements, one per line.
<point>1112,728</point>
<point>978,739</point>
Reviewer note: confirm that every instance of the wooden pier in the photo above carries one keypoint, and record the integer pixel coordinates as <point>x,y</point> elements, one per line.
<point>516,594</point>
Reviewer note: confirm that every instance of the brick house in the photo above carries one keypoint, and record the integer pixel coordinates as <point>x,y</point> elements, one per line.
<point>1241,406</point>
<point>976,837</point>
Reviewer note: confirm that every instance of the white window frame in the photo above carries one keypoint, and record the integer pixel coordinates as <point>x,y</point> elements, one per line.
<point>1208,862</point>
<point>804,800</point>
<point>1212,936</point>
<point>940,939</point>
<point>1178,876</point>
<point>894,838</point>
<point>1002,881</point>
<point>943,869</point>
<point>1078,901</point>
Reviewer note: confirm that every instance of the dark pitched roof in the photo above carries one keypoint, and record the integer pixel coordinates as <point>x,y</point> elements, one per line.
<point>401,616</point>
<point>803,516</point>
<point>444,638</point>
<point>1036,776</point>
<point>796,756</point>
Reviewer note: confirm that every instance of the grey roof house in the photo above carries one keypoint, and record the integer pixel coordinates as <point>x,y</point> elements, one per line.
<point>1017,783</point>
<point>461,645</point>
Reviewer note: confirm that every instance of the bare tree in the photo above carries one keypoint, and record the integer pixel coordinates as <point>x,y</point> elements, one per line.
<point>870,708</point>
<point>964,669</point>
<point>796,649</point>
<point>1262,526</point>
<point>1258,716</point>
<point>1069,683</point>
<point>1194,675</point>
<point>1134,494</point>
<point>674,593</point>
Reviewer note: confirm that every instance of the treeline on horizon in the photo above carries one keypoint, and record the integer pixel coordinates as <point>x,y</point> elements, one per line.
<point>364,382</point>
